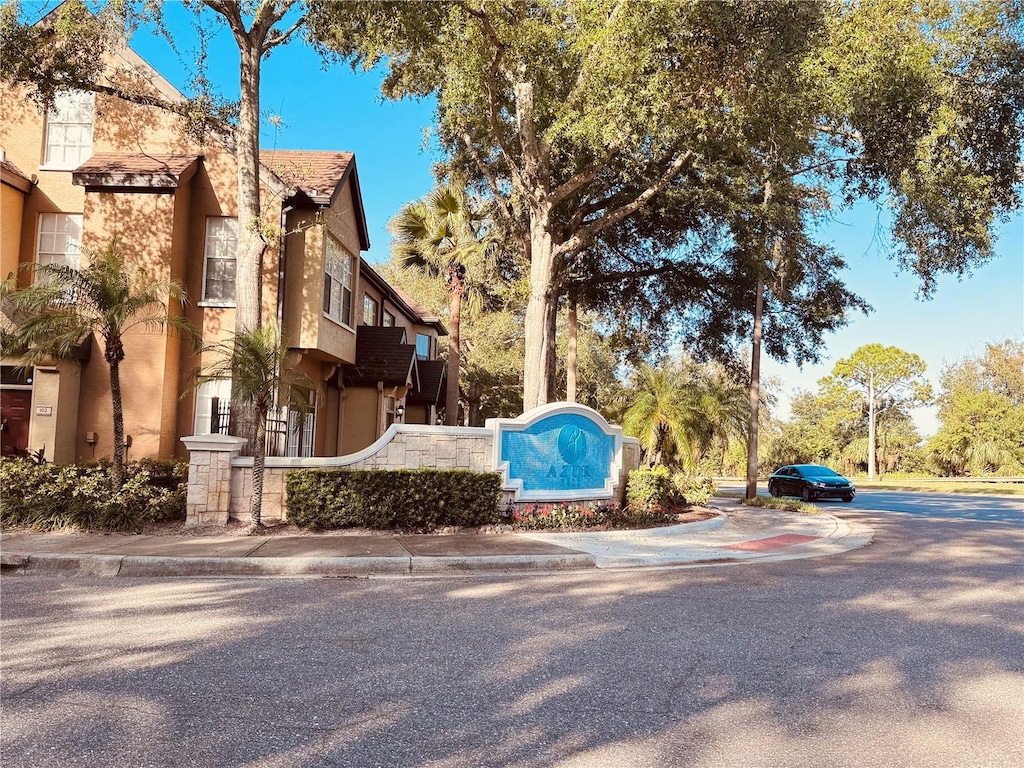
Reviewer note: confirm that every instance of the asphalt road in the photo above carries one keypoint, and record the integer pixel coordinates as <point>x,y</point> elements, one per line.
<point>1005,509</point>
<point>908,652</point>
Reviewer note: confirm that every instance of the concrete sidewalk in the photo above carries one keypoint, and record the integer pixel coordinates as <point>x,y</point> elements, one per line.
<point>737,534</point>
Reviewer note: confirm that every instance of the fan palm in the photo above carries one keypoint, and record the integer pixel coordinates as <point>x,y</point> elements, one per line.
<point>722,410</point>
<point>254,361</point>
<point>108,297</point>
<point>659,416</point>
<point>443,234</point>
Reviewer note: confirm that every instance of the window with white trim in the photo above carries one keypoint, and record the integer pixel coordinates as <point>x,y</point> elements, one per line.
<point>60,240</point>
<point>300,440</point>
<point>219,260</point>
<point>338,283</point>
<point>213,408</point>
<point>369,310</point>
<point>69,130</point>
<point>389,320</point>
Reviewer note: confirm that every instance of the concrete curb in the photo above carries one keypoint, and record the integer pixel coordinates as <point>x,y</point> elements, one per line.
<point>649,549</point>
<point>567,561</point>
<point>338,567</point>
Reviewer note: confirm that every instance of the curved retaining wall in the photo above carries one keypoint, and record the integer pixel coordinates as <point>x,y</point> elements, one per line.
<point>220,481</point>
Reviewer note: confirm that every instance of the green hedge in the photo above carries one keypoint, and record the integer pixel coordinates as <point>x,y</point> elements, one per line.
<point>51,496</point>
<point>658,487</point>
<point>419,500</point>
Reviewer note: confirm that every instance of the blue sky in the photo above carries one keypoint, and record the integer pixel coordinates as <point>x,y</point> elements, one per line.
<point>334,108</point>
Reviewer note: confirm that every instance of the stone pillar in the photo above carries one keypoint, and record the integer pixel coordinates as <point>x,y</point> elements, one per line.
<point>209,478</point>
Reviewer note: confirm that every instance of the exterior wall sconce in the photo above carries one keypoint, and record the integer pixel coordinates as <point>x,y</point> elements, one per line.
<point>399,411</point>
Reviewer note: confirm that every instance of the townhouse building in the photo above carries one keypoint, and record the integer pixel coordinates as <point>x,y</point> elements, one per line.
<point>95,168</point>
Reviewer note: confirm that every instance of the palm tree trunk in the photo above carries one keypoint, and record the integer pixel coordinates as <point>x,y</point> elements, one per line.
<point>258,462</point>
<point>117,465</point>
<point>451,399</point>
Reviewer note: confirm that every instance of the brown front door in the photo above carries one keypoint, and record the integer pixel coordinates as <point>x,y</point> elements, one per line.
<point>15,407</point>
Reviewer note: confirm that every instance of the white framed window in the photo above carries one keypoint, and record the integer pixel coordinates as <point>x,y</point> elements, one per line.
<point>69,131</point>
<point>338,283</point>
<point>213,408</point>
<point>60,240</point>
<point>300,441</point>
<point>389,320</point>
<point>369,310</point>
<point>219,260</point>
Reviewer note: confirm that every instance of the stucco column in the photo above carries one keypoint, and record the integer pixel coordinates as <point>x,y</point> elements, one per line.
<point>209,478</point>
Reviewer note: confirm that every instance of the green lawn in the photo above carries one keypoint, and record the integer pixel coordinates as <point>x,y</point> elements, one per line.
<point>933,485</point>
<point>941,486</point>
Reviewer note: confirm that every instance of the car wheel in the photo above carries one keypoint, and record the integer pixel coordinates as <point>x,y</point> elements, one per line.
<point>773,490</point>
<point>806,494</point>
<point>848,498</point>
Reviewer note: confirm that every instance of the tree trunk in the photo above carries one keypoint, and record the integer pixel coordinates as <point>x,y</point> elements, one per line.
<point>539,313</point>
<point>258,463</point>
<point>117,463</point>
<point>872,415</point>
<point>251,246</point>
<point>570,358</point>
<point>755,392</point>
<point>451,400</point>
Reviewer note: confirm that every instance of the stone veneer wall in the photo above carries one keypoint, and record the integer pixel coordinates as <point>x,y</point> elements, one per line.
<point>220,481</point>
<point>402,446</point>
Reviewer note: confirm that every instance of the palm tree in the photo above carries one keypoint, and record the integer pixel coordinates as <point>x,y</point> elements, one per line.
<point>721,407</point>
<point>659,415</point>
<point>254,361</point>
<point>443,234</point>
<point>109,297</point>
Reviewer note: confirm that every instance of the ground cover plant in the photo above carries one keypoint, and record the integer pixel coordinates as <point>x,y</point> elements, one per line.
<point>654,496</point>
<point>48,496</point>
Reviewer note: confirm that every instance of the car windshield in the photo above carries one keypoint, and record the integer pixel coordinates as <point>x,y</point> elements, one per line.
<point>813,470</point>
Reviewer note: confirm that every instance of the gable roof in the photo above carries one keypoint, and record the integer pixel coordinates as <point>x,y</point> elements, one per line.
<point>319,175</point>
<point>407,305</point>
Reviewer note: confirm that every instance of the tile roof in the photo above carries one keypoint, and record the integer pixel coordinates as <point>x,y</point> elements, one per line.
<point>109,169</point>
<point>315,173</point>
<point>318,174</point>
<point>425,315</point>
<point>13,175</point>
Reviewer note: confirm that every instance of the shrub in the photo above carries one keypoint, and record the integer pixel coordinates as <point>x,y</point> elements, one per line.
<point>649,487</point>
<point>694,490</point>
<point>576,516</point>
<point>51,496</point>
<point>420,499</point>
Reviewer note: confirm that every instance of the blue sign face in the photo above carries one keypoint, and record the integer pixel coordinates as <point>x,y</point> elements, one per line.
<point>562,455</point>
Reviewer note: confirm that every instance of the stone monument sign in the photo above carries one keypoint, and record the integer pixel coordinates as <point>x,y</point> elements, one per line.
<point>558,452</point>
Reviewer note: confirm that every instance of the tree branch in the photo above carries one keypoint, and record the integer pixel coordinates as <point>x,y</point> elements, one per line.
<point>586,233</point>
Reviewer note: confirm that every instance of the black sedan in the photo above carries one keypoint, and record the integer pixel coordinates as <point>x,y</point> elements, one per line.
<point>809,482</point>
